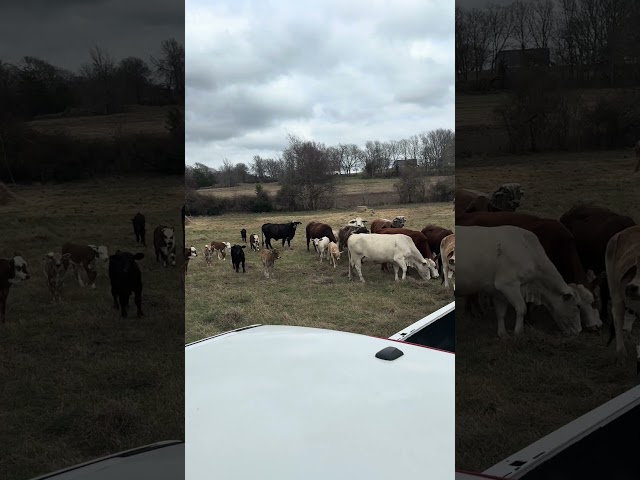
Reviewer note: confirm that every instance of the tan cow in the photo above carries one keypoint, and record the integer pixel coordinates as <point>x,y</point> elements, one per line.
<point>55,268</point>
<point>334,253</point>
<point>448,255</point>
<point>269,258</point>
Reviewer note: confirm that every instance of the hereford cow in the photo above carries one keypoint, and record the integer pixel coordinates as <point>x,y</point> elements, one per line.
<point>278,231</point>
<point>243,235</point>
<point>55,268</point>
<point>334,253</point>
<point>237,257</point>
<point>434,235</point>
<point>321,245</point>
<point>139,229</point>
<point>125,278</point>
<point>319,230</point>
<point>622,259</point>
<point>448,253</point>
<point>510,265</point>
<point>221,249</point>
<point>559,245</point>
<point>592,227</point>
<point>165,245</point>
<point>397,249</point>
<point>254,242</point>
<point>346,232</point>
<point>12,272</point>
<point>83,260</point>
<point>269,258</point>
<point>189,253</point>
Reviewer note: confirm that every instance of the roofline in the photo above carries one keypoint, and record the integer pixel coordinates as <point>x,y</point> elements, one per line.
<point>125,453</point>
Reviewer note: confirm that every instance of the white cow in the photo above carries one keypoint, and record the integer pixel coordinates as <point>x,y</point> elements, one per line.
<point>510,265</point>
<point>622,260</point>
<point>357,222</point>
<point>321,244</point>
<point>398,249</point>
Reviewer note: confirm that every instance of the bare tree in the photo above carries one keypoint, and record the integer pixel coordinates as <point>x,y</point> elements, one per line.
<point>350,157</point>
<point>500,29</point>
<point>540,22</point>
<point>100,73</point>
<point>434,146</point>
<point>464,51</point>
<point>258,167</point>
<point>521,11</point>
<point>170,67</point>
<point>227,172</point>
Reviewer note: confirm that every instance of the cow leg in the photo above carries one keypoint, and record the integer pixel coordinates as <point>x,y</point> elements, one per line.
<point>500,305</point>
<point>138,301</point>
<point>114,294</point>
<point>395,271</point>
<point>445,276</point>
<point>124,303</point>
<point>513,295</point>
<point>358,267</point>
<point>243,270</point>
<point>618,311</point>
<point>4,293</point>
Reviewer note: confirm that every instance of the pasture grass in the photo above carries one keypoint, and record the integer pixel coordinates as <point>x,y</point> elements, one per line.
<point>78,381</point>
<point>510,393</point>
<point>304,292</point>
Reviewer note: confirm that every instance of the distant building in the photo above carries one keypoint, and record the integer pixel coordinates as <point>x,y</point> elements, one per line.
<point>529,57</point>
<point>399,165</point>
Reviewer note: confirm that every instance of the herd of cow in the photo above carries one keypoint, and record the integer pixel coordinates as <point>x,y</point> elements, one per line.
<point>583,267</point>
<point>388,242</point>
<point>124,273</point>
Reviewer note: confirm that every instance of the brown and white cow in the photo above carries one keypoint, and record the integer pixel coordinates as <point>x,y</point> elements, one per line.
<point>269,258</point>
<point>55,268</point>
<point>164,243</point>
<point>12,272</point>
<point>317,230</point>
<point>189,253</point>
<point>380,223</point>
<point>83,259</point>
<point>254,242</point>
<point>221,249</point>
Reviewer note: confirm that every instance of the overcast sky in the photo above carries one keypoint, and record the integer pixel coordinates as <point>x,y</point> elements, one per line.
<point>62,31</point>
<point>330,71</point>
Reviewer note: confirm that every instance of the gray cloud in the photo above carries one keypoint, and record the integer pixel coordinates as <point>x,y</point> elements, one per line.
<point>343,72</point>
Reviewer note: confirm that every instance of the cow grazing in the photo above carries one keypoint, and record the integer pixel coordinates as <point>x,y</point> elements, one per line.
<point>243,235</point>
<point>345,232</point>
<point>622,259</point>
<point>254,242</point>
<point>221,249</point>
<point>510,265</point>
<point>560,247</point>
<point>165,245</point>
<point>319,230</point>
<point>12,272</point>
<point>321,245</point>
<point>139,229</point>
<point>278,231</point>
<point>188,254</point>
<point>83,260</point>
<point>592,227</point>
<point>357,222</point>
<point>208,255</point>
<point>126,278</point>
<point>237,257</point>
<point>434,235</point>
<point>398,249</point>
<point>334,253</point>
<point>55,268</point>
<point>448,254</point>
<point>269,258</point>
<point>419,240</point>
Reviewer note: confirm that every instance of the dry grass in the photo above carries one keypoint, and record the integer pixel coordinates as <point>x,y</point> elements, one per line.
<point>508,393</point>
<point>78,381</point>
<point>138,120</point>
<point>304,292</point>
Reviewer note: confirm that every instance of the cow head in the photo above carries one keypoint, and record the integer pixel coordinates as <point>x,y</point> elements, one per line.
<point>357,222</point>
<point>58,262</point>
<point>102,253</point>
<point>589,315</point>
<point>192,252</point>
<point>398,222</point>
<point>124,262</point>
<point>236,250</point>
<point>275,254</point>
<point>295,224</point>
<point>19,267</point>
<point>427,269</point>
<point>316,241</point>
<point>566,307</point>
<point>507,197</point>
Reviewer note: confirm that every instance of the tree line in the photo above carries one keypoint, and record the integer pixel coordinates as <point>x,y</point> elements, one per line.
<point>590,39</point>
<point>433,152</point>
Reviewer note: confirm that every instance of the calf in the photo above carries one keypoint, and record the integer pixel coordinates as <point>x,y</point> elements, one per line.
<point>55,267</point>
<point>448,253</point>
<point>12,272</point>
<point>345,232</point>
<point>208,255</point>
<point>321,245</point>
<point>243,235</point>
<point>83,260</point>
<point>189,253</point>
<point>319,230</point>
<point>139,229</point>
<point>165,245</point>
<point>125,278</point>
<point>220,249</point>
<point>334,253</point>
<point>278,231</point>
<point>237,257</point>
<point>254,241</point>
<point>269,258</point>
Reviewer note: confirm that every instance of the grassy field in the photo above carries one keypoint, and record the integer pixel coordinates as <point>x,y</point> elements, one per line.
<point>351,191</point>
<point>79,382</point>
<point>304,292</point>
<point>509,394</point>
<point>139,119</point>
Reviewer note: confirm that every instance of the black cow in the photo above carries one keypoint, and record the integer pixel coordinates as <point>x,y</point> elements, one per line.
<point>126,278</point>
<point>138,228</point>
<point>237,257</point>
<point>278,231</point>
<point>243,235</point>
